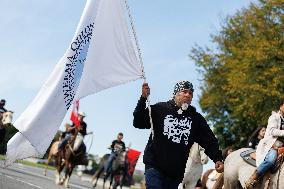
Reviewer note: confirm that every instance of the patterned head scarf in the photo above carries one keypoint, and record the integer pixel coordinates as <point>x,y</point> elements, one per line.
<point>183,85</point>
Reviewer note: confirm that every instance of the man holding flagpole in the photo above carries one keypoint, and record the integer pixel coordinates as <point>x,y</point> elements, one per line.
<point>176,126</point>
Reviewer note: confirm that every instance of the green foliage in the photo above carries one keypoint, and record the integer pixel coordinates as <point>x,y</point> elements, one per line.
<point>96,160</point>
<point>244,74</point>
<point>138,178</point>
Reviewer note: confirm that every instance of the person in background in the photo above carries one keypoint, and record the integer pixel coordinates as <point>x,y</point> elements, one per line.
<point>256,136</point>
<point>116,146</point>
<point>227,151</point>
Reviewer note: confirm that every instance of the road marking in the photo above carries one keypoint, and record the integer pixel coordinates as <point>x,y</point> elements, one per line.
<point>19,180</point>
<point>45,177</point>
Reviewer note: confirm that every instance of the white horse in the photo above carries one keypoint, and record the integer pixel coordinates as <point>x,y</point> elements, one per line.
<point>194,167</point>
<point>237,171</point>
<point>7,117</point>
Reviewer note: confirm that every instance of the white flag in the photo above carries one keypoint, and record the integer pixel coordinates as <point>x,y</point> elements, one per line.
<point>101,55</point>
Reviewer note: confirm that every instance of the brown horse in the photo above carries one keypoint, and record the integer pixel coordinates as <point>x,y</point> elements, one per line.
<point>66,158</point>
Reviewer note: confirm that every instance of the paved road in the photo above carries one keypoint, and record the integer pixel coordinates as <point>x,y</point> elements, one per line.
<point>20,176</point>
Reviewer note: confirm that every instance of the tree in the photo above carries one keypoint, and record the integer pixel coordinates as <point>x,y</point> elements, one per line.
<point>244,73</point>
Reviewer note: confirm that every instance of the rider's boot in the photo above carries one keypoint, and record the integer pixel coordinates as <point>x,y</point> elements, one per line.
<point>252,181</point>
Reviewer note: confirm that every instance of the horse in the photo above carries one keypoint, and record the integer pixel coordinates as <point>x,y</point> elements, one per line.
<point>5,121</point>
<point>118,170</point>
<point>7,117</point>
<point>66,158</point>
<point>237,171</point>
<point>194,166</point>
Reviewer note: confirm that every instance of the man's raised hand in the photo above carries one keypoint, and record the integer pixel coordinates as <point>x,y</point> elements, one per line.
<point>145,90</point>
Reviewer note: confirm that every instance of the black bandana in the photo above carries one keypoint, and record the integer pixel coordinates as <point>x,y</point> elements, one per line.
<point>182,85</point>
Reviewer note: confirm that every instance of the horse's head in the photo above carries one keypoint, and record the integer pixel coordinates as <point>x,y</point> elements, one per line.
<point>121,156</point>
<point>7,117</point>
<point>197,154</point>
<point>203,157</point>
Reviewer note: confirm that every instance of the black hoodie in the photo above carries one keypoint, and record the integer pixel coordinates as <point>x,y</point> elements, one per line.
<point>174,135</point>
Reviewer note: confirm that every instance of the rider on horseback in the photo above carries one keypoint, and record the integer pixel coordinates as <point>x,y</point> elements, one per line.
<point>267,149</point>
<point>71,130</point>
<point>67,135</point>
<point>116,147</point>
<point>2,128</point>
<point>82,131</point>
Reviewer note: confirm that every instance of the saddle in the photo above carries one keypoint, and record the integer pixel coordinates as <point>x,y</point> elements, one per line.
<point>249,156</point>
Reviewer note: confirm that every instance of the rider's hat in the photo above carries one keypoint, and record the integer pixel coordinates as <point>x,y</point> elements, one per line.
<point>82,114</point>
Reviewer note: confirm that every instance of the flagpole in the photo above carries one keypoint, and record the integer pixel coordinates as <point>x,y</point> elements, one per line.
<point>141,62</point>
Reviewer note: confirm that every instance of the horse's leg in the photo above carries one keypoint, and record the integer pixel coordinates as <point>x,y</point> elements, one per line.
<point>67,169</point>
<point>48,160</point>
<point>68,175</point>
<point>105,178</point>
<point>59,168</point>
<point>116,182</point>
<point>111,179</point>
<point>97,176</point>
<point>57,177</point>
<point>124,175</point>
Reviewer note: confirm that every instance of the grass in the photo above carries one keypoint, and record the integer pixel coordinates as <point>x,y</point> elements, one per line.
<point>24,162</point>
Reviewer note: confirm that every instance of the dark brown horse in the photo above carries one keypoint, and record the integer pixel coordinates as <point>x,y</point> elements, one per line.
<point>118,170</point>
<point>68,159</point>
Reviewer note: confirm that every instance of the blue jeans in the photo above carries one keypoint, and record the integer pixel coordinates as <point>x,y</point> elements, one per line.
<point>156,180</point>
<point>64,141</point>
<point>268,162</point>
<point>109,162</point>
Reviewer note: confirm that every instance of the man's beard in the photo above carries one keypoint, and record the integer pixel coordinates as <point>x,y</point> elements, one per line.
<point>184,106</point>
